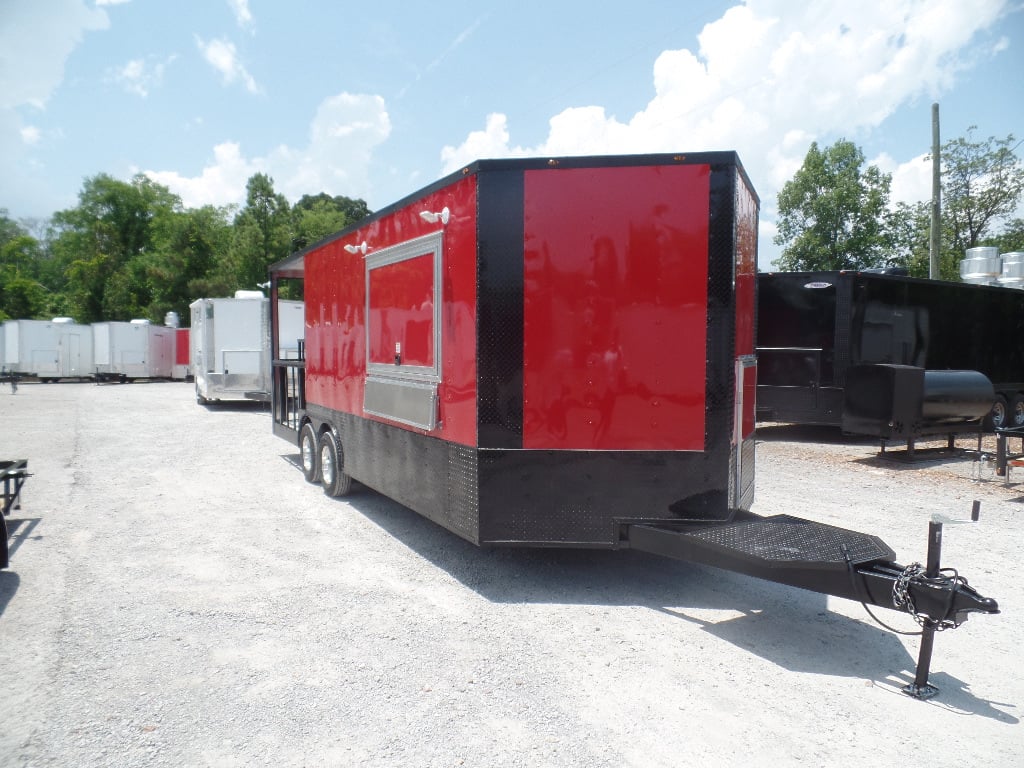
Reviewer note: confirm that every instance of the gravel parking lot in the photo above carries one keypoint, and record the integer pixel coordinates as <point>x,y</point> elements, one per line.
<point>179,596</point>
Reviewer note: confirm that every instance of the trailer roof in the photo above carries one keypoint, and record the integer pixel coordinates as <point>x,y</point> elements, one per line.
<point>294,265</point>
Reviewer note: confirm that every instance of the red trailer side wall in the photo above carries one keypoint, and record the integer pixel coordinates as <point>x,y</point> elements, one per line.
<point>615,315</point>
<point>336,302</point>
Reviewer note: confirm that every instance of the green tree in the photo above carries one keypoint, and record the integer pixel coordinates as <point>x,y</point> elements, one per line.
<point>1010,239</point>
<point>22,298</point>
<point>982,184</point>
<point>832,212</point>
<point>318,216</point>
<point>262,234</point>
<point>190,248</point>
<point>105,246</point>
<point>21,294</point>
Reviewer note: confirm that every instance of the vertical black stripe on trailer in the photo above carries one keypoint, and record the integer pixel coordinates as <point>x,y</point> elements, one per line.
<point>500,288</point>
<point>720,393</point>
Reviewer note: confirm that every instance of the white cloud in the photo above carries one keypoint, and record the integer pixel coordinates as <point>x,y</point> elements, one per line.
<point>35,42</point>
<point>343,134</point>
<point>911,180</point>
<point>222,55</point>
<point>139,76</point>
<point>768,78</point>
<point>490,142</point>
<point>220,183</point>
<point>30,134</point>
<point>243,16</point>
<point>112,2</point>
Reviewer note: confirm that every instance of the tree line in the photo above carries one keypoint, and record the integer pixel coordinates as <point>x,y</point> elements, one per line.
<point>835,213</point>
<point>130,249</point>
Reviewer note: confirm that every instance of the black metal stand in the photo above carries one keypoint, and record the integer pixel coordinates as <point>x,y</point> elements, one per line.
<point>12,476</point>
<point>921,688</point>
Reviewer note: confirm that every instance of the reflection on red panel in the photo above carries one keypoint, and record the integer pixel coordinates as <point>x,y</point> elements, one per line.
<point>615,293</point>
<point>336,323</point>
<point>749,401</point>
<point>746,267</point>
<point>402,312</point>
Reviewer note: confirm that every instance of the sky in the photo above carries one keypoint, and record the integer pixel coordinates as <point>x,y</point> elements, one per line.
<point>376,100</point>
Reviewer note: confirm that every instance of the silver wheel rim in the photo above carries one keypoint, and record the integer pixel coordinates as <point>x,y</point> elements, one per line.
<point>307,453</point>
<point>326,465</point>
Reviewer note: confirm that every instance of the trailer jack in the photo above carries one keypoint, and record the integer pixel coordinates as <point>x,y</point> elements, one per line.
<point>949,598</point>
<point>829,560</point>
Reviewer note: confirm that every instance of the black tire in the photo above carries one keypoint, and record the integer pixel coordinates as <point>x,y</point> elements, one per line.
<point>309,453</point>
<point>1015,416</point>
<point>1000,414</point>
<point>332,466</point>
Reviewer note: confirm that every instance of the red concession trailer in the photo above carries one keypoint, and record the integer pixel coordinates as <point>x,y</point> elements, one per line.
<point>560,352</point>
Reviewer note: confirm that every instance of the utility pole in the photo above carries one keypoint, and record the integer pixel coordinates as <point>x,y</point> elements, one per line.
<point>934,239</point>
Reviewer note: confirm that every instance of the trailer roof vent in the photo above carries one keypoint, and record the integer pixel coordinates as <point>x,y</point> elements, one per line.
<point>64,320</point>
<point>248,294</point>
<point>140,321</point>
<point>171,320</point>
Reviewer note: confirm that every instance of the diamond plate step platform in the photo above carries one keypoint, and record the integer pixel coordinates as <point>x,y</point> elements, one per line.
<point>782,548</point>
<point>786,541</point>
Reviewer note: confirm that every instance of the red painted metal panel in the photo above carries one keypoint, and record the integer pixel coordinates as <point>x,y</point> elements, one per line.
<point>402,312</point>
<point>181,348</point>
<point>615,274</point>
<point>335,296</point>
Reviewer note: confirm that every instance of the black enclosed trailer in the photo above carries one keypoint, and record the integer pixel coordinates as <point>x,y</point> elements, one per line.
<point>558,352</point>
<point>816,328</point>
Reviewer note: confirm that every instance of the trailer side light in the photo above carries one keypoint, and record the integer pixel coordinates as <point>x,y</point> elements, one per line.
<point>435,216</point>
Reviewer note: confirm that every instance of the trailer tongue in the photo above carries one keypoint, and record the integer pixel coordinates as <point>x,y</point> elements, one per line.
<point>834,561</point>
<point>528,347</point>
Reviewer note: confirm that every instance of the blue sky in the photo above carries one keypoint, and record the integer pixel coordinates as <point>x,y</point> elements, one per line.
<point>375,100</point>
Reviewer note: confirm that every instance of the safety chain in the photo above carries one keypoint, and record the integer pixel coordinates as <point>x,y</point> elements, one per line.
<point>915,572</point>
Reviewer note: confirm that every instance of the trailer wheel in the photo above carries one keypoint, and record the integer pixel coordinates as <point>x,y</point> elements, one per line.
<point>309,452</point>
<point>1000,414</point>
<point>332,466</point>
<point>1016,413</point>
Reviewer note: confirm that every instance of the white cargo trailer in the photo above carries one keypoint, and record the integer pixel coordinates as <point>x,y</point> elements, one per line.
<point>230,340</point>
<point>291,329</point>
<point>48,349</point>
<point>135,350</point>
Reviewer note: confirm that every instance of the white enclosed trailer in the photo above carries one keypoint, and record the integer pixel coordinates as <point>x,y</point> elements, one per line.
<point>230,340</point>
<point>291,329</point>
<point>135,350</point>
<point>48,349</point>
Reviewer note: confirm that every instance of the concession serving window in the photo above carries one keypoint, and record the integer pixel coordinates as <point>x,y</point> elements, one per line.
<point>403,331</point>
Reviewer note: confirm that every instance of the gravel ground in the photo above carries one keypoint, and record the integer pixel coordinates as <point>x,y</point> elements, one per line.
<point>179,596</point>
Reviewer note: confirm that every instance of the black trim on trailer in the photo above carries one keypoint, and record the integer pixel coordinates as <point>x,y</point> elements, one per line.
<point>500,292</point>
